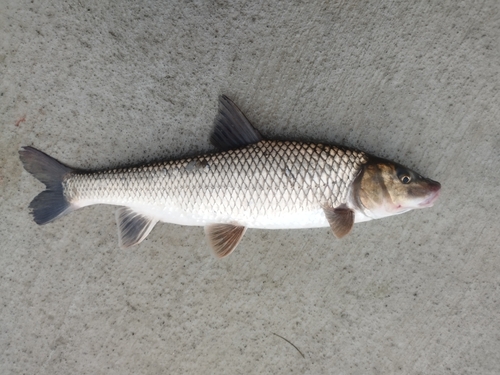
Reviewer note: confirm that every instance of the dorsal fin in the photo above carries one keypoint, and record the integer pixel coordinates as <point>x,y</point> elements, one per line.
<point>232,129</point>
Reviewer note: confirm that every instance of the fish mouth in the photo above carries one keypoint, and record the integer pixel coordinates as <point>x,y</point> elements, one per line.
<point>429,201</point>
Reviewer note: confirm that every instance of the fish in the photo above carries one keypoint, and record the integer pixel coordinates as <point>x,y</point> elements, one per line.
<point>250,182</point>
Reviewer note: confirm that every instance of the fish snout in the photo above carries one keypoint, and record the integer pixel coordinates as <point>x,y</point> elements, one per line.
<point>434,186</point>
<point>434,191</point>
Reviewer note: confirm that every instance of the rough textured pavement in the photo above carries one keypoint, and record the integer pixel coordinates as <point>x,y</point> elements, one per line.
<point>99,84</point>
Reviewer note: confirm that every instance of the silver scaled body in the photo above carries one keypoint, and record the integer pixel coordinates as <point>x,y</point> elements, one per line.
<point>269,185</point>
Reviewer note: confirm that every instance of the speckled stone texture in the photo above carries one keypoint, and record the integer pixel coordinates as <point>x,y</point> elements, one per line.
<point>106,84</point>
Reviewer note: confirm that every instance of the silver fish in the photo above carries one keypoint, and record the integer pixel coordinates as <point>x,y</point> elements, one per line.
<point>251,183</point>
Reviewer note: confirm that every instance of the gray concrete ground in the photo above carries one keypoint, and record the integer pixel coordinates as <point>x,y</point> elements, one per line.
<point>99,84</point>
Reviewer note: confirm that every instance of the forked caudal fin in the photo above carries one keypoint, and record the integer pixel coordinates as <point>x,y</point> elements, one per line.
<point>51,203</point>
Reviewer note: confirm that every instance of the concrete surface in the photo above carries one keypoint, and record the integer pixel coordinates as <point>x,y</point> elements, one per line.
<point>101,83</point>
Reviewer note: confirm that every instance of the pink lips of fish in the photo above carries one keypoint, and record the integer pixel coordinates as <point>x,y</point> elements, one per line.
<point>433,196</point>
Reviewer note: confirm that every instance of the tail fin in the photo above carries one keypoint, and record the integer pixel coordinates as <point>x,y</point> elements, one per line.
<point>51,203</point>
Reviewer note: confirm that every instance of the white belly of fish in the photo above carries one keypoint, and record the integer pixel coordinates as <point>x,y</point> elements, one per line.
<point>171,214</point>
<point>312,219</point>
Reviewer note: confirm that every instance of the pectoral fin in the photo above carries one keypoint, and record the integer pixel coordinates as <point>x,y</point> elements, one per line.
<point>224,238</point>
<point>341,220</point>
<point>133,227</point>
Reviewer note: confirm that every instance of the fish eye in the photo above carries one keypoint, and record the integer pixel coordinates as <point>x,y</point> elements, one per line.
<point>403,175</point>
<point>405,179</point>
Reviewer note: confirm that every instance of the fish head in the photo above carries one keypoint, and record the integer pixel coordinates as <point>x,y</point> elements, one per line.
<point>384,188</point>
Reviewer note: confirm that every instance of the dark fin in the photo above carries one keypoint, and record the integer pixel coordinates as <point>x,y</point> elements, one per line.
<point>51,203</point>
<point>341,220</point>
<point>224,238</point>
<point>232,129</point>
<point>133,227</point>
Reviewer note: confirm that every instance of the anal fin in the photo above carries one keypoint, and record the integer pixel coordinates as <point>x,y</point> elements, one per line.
<point>224,238</point>
<point>341,220</point>
<point>133,227</point>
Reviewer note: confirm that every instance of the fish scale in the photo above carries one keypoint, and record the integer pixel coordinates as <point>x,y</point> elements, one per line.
<point>267,178</point>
